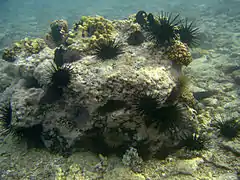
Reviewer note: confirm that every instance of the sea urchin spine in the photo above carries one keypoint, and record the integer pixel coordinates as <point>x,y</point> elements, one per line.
<point>189,34</point>
<point>60,75</point>
<point>108,49</point>
<point>164,29</point>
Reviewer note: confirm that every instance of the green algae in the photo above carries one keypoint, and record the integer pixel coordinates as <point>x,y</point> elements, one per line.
<point>179,53</point>
<point>26,46</point>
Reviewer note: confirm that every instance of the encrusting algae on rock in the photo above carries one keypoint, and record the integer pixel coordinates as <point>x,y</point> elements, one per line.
<point>92,29</point>
<point>115,91</point>
<point>179,53</point>
<point>26,46</point>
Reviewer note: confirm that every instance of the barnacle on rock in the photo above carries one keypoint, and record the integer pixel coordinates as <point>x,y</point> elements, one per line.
<point>27,46</point>
<point>229,128</point>
<point>164,29</point>
<point>108,49</point>
<point>189,34</point>
<point>178,52</point>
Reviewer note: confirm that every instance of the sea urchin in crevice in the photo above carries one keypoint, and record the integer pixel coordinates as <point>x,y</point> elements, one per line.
<point>169,117</point>
<point>60,75</point>
<point>108,49</point>
<point>147,106</point>
<point>164,117</point>
<point>193,141</point>
<point>59,78</point>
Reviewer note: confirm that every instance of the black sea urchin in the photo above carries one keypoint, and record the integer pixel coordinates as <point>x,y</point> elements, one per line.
<point>163,118</point>
<point>164,29</point>
<point>147,106</point>
<point>6,115</point>
<point>189,34</point>
<point>169,116</point>
<point>31,135</point>
<point>60,75</point>
<point>140,17</point>
<point>108,49</point>
<point>229,128</point>
<point>193,142</point>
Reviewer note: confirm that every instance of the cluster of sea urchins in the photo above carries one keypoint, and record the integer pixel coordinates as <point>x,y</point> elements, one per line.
<point>168,118</point>
<point>165,28</point>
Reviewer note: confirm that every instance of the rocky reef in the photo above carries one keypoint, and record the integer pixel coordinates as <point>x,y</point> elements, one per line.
<point>106,87</point>
<point>98,99</point>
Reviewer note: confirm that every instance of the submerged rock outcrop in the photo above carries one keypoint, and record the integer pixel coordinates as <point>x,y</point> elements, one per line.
<point>68,99</point>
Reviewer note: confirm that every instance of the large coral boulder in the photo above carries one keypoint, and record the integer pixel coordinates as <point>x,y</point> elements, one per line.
<point>103,107</point>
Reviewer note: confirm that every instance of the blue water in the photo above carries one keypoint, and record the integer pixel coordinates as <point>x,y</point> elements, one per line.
<point>31,18</point>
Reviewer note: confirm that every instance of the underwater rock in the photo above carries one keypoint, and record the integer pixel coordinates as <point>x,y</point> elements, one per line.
<point>136,38</point>
<point>233,147</point>
<point>58,34</point>
<point>96,108</point>
<point>203,94</point>
<point>188,166</point>
<point>6,78</point>
<point>228,176</point>
<point>25,107</point>
<point>27,47</point>
<point>131,159</point>
<point>123,173</point>
<point>236,76</point>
